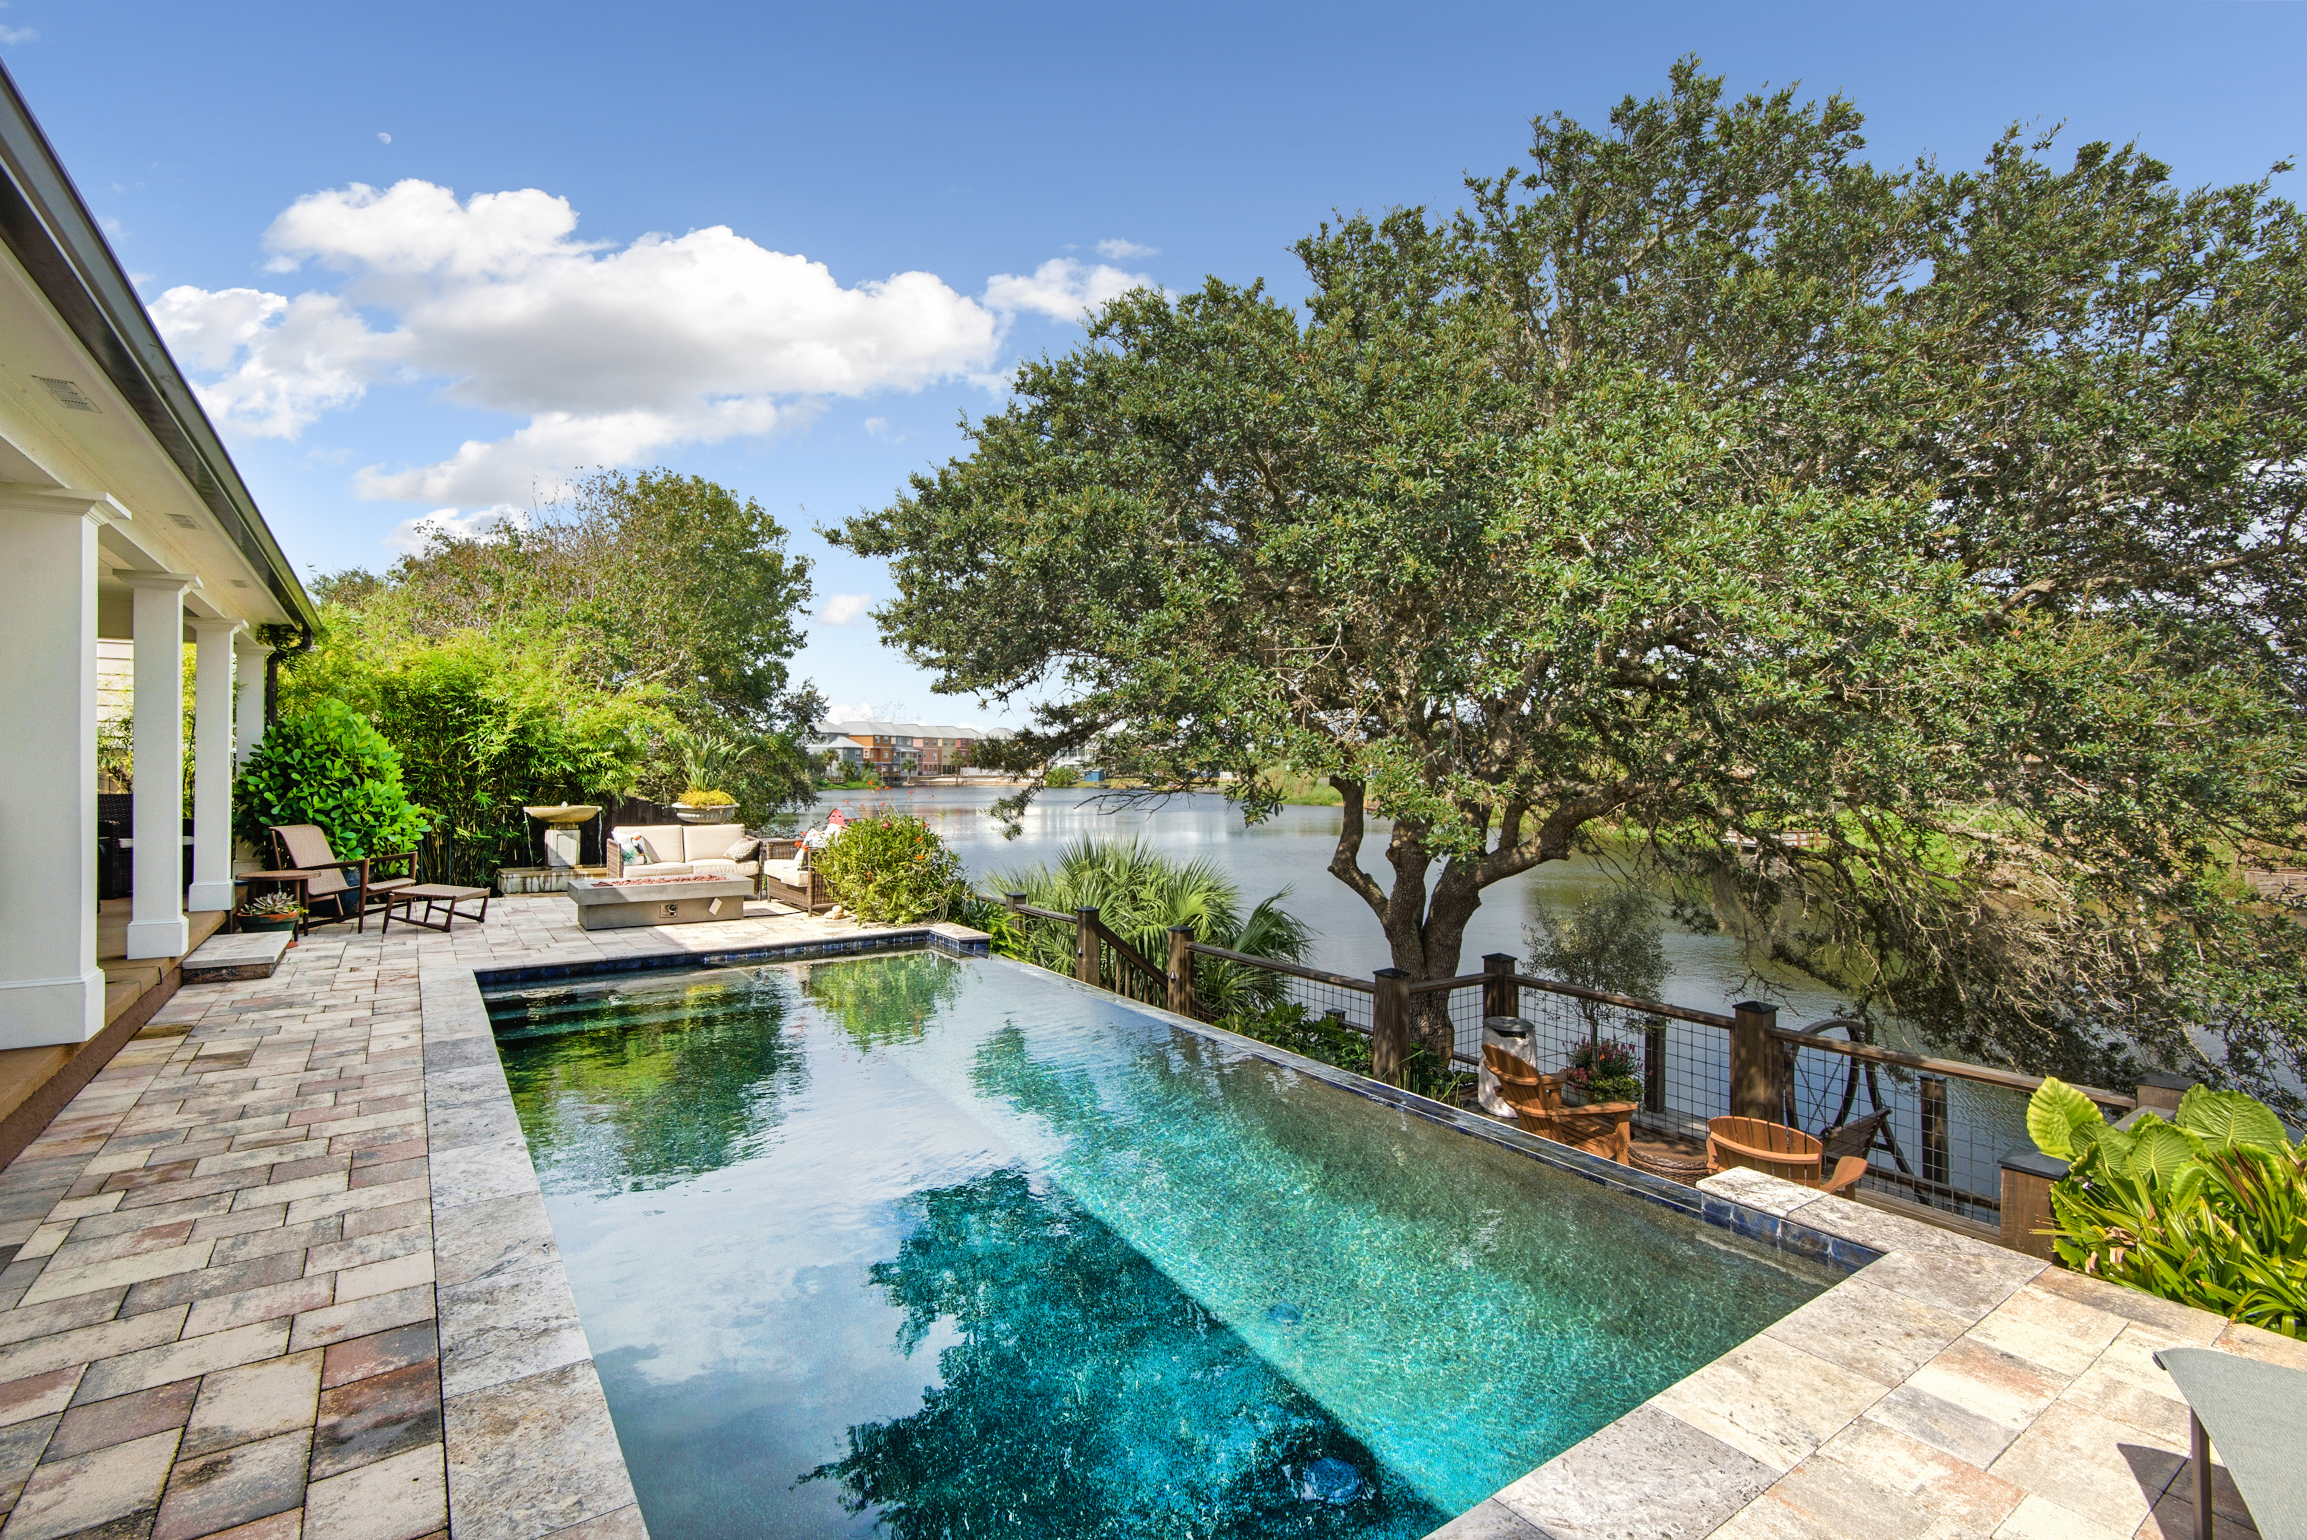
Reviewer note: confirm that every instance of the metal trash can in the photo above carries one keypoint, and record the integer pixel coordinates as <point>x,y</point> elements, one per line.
<point>1512,1034</point>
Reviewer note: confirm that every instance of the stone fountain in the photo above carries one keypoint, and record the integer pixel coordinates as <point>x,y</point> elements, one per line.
<point>564,841</point>
<point>564,832</point>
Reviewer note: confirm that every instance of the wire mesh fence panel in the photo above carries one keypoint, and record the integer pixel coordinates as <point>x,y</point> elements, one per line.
<point>1226,982</point>
<point>1457,1002</point>
<point>1942,1138</point>
<point>1684,1065</point>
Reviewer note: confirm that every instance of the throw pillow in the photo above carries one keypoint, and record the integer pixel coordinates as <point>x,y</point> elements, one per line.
<point>742,850</point>
<point>635,853</point>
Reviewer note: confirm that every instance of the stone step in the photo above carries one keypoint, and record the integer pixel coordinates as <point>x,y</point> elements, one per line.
<point>252,955</point>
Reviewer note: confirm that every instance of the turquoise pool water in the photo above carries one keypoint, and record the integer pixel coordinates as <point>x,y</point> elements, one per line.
<point>913,1246</point>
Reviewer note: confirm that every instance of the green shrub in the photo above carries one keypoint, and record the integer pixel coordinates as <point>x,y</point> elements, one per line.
<point>892,869</point>
<point>1139,893</point>
<point>328,766</point>
<point>1061,776</point>
<point>1331,1041</point>
<point>2210,1211</point>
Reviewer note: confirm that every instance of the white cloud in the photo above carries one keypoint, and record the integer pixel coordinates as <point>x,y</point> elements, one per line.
<point>610,353</point>
<point>844,608</point>
<point>295,358</point>
<point>856,711</point>
<point>1061,288</point>
<point>1122,251</point>
<point>481,524</point>
<point>15,35</point>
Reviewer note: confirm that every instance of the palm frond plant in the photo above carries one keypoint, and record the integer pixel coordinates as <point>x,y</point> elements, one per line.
<point>1139,894</point>
<point>707,762</point>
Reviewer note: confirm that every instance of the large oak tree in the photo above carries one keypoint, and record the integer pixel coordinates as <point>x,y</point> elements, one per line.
<point>1932,533</point>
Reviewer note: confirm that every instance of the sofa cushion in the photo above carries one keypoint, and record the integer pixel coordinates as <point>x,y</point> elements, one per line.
<point>717,869</point>
<point>662,841</point>
<point>712,841</point>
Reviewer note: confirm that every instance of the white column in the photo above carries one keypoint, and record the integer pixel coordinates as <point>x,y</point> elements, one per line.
<point>156,925</point>
<point>248,655</point>
<point>211,765</point>
<point>51,990</point>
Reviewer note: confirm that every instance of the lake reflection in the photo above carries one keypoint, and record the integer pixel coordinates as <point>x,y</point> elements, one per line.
<point>1293,849</point>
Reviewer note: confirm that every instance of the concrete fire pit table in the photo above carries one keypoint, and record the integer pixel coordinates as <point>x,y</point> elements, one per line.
<point>611,903</point>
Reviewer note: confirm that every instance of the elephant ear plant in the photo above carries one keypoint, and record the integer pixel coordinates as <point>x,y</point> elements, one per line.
<point>2208,1211</point>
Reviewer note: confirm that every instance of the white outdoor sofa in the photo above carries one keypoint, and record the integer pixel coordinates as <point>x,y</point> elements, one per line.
<point>773,867</point>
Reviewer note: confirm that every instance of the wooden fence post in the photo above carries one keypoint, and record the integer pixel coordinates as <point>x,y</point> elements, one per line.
<point>2163,1092</point>
<point>1755,1090</point>
<point>1182,970</point>
<point>1086,950</point>
<point>1390,1025</point>
<point>1654,1066</point>
<point>1936,1166</point>
<point>1500,995</point>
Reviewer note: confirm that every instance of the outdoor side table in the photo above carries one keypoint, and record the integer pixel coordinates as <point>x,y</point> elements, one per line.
<point>2252,1409</point>
<point>439,899</point>
<point>296,877</point>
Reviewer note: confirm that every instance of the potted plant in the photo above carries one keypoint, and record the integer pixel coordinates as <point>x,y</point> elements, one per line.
<point>706,760</point>
<point>1602,1073</point>
<point>704,805</point>
<point>276,910</point>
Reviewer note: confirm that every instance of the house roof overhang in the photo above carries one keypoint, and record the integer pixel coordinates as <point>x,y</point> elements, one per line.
<point>70,317</point>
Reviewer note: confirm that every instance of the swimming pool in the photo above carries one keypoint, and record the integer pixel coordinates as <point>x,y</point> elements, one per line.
<point>927,1247</point>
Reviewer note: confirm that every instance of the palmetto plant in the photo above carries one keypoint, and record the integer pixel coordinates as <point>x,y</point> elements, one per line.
<point>1139,894</point>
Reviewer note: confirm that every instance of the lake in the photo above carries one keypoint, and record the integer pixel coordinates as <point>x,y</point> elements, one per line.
<point>1292,850</point>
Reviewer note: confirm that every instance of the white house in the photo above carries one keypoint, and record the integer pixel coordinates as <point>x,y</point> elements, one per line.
<point>121,518</point>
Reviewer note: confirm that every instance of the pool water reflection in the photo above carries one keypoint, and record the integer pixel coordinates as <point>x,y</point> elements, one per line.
<point>927,1248</point>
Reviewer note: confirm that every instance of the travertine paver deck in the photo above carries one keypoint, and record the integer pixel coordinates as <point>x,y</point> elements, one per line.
<point>232,1263</point>
<point>1951,1389</point>
<point>218,1314</point>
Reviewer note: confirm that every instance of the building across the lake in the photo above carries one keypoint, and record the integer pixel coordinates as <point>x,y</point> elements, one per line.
<point>902,748</point>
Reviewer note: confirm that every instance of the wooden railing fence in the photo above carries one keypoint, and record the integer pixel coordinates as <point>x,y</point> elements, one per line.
<point>1941,1142</point>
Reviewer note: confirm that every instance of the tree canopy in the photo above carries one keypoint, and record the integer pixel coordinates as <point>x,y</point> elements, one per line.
<point>575,655</point>
<point>1928,534</point>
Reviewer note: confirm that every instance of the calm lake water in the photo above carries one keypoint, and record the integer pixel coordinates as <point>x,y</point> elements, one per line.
<point>1292,850</point>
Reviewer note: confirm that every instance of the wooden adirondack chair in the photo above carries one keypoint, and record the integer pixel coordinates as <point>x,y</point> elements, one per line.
<point>1777,1150</point>
<point>1536,1098</point>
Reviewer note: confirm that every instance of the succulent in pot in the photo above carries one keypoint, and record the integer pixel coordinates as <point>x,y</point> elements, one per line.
<point>277,910</point>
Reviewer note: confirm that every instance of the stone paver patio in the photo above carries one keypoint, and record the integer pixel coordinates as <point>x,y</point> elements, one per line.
<point>238,1262</point>
<point>1950,1389</point>
<point>218,1311</point>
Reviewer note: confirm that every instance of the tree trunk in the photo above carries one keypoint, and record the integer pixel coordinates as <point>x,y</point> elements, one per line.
<point>1425,934</point>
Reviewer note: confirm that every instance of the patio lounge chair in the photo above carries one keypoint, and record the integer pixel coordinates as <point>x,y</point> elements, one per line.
<point>352,888</point>
<point>1598,1129</point>
<point>1777,1150</point>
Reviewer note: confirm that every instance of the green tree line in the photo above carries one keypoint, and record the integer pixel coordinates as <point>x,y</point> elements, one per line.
<point>574,656</point>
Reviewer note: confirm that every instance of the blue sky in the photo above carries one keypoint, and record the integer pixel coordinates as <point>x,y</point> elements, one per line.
<point>355,343</point>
